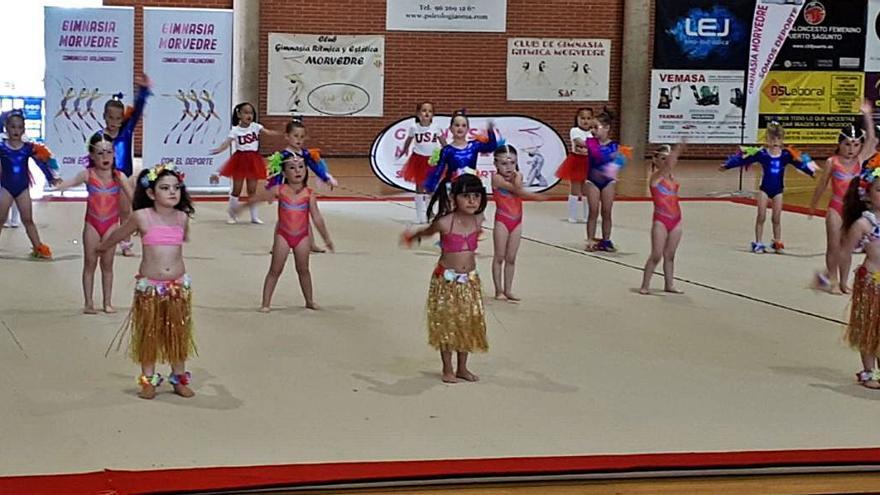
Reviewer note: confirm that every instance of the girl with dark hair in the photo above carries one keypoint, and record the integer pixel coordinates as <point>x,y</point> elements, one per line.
<point>160,321</point>
<point>107,188</point>
<point>854,145</point>
<point>861,209</point>
<point>427,137</point>
<point>456,322</point>
<point>246,165</point>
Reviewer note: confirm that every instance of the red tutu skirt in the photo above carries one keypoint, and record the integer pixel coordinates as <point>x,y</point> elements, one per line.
<point>573,168</point>
<point>416,169</point>
<point>245,165</point>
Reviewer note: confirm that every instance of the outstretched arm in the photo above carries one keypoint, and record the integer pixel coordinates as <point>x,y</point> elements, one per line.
<point>516,187</point>
<point>77,180</point>
<point>870,145</point>
<point>740,159</point>
<point>223,147</point>
<point>120,234</point>
<point>140,102</point>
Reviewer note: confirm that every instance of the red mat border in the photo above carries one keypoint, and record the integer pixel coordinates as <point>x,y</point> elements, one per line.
<point>115,482</point>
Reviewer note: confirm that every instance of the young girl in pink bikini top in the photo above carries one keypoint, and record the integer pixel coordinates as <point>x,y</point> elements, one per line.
<point>160,321</point>
<point>455,306</point>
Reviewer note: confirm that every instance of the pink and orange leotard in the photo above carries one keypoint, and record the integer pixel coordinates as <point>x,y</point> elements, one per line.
<point>102,205</point>
<point>666,208</point>
<point>508,209</point>
<point>840,179</point>
<point>293,214</point>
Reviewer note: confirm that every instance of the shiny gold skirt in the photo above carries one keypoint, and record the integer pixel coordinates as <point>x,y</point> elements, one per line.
<point>160,321</point>
<point>455,312</point>
<point>863,330</point>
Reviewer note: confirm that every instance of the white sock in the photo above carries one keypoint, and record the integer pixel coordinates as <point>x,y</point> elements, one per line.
<point>14,216</point>
<point>233,204</point>
<point>572,207</point>
<point>586,208</point>
<point>420,205</point>
<point>253,209</point>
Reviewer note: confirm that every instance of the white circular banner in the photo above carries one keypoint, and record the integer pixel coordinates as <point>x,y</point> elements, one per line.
<point>540,149</point>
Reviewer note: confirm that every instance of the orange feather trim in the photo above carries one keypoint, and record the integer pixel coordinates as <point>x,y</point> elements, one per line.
<point>316,154</point>
<point>626,151</point>
<point>129,111</point>
<point>796,153</point>
<point>42,153</point>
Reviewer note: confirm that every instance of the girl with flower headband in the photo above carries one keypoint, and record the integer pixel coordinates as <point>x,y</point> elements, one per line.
<point>459,156</point>
<point>605,158</point>
<point>246,165</point>
<point>160,321</point>
<point>119,125</point>
<point>666,228</point>
<point>295,134</point>
<point>427,137</point>
<point>861,209</point>
<point>773,157</point>
<point>456,322</point>
<point>297,205</point>
<point>15,178</point>
<point>107,188</point>
<point>840,169</point>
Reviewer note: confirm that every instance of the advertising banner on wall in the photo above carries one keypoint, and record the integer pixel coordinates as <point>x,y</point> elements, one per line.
<point>188,54</point>
<point>702,34</point>
<point>89,58</point>
<point>696,106</point>
<point>872,93</point>
<point>828,35</point>
<point>771,22</point>
<point>540,150</point>
<point>811,105</point>
<point>555,69</point>
<point>330,75</point>
<point>446,15</point>
<point>872,37</point>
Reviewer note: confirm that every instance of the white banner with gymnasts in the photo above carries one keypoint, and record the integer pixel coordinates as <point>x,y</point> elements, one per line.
<point>188,56</point>
<point>89,58</point>
<point>540,150</point>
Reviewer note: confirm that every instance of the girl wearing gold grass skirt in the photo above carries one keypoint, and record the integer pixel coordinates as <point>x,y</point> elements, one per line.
<point>455,307</point>
<point>160,321</point>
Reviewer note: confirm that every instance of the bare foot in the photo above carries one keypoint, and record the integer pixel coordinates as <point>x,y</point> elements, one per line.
<point>673,290</point>
<point>183,391</point>
<point>510,297</point>
<point>128,253</point>
<point>265,309</point>
<point>499,296</point>
<point>467,375</point>
<point>147,392</point>
<point>449,378</point>
<point>89,310</point>
<point>109,309</point>
<point>317,249</point>
<point>844,289</point>
<point>311,305</point>
<point>644,291</point>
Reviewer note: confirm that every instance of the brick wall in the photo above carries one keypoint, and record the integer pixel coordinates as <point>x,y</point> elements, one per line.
<point>452,69</point>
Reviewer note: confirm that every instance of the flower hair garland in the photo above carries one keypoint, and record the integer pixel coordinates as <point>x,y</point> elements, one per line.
<point>868,176</point>
<point>153,174</point>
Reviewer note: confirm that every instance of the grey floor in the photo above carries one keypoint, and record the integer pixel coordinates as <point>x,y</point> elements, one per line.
<point>749,358</point>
